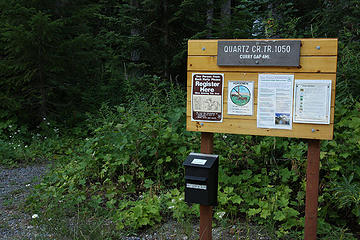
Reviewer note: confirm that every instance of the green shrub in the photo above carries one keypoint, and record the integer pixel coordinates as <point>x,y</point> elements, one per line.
<point>137,150</point>
<point>140,213</point>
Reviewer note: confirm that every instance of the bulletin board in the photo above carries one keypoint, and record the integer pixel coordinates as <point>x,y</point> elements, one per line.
<point>245,86</point>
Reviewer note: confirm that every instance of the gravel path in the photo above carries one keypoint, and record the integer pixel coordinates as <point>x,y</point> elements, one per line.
<point>15,224</point>
<point>15,185</point>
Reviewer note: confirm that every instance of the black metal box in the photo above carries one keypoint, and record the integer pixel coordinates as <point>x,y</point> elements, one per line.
<point>201,178</point>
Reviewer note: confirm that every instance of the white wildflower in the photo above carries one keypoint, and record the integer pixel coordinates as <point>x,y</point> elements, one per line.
<point>173,201</point>
<point>220,214</point>
<point>34,216</point>
<point>27,185</point>
<point>171,207</point>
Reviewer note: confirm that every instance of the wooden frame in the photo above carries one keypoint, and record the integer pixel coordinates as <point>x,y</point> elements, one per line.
<point>318,61</point>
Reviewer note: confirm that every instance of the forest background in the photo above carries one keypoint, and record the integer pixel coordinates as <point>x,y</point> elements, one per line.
<point>97,88</point>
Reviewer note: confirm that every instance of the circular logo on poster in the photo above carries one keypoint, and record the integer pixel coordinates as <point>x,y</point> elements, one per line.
<point>240,95</point>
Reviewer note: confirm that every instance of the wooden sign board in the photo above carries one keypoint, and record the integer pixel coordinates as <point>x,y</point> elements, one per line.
<point>311,88</point>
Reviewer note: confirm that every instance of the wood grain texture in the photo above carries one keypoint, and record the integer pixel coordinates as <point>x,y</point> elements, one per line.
<point>315,64</point>
<point>243,76</point>
<point>253,117</point>
<point>309,47</point>
<point>252,76</point>
<point>255,94</point>
<point>308,64</point>
<point>248,127</point>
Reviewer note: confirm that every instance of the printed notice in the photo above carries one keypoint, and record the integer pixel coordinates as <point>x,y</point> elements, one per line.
<point>196,186</point>
<point>240,98</point>
<point>312,100</point>
<point>275,96</point>
<point>206,97</point>
<point>199,161</point>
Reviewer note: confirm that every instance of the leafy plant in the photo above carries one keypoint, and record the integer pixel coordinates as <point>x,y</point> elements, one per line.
<point>137,214</point>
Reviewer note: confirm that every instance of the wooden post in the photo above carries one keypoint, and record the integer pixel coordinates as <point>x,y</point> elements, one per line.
<point>207,145</point>
<point>312,189</point>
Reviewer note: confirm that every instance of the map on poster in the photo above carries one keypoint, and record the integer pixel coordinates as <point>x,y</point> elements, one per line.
<point>312,101</point>
<point>275,99</point>
<point>240,98</point>
<point>207,97</point>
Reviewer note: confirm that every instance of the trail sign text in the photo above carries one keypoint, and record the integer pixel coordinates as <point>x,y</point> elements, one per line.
<point>259,53</point>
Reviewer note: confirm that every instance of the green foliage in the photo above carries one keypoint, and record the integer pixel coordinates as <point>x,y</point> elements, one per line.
<point>261,194</point>
<point>347,195</point>
<point>45,62</point>
<point>341,164</point>
<point>79,87</point>
<point>130,165</point>
<point>180,210</point>
<point>138,214</point>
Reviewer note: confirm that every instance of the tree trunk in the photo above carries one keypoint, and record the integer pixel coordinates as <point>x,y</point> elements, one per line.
<point>210,17</point>
<point>134,32</point>
<point>226,10</point>
<point>166,38</point>
<point>43,93</point>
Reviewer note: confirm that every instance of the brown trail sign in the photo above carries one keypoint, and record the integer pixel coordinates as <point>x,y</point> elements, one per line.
<point>293,95</point>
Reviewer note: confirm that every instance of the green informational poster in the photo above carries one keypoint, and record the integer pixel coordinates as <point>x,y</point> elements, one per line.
<point>240,98</point>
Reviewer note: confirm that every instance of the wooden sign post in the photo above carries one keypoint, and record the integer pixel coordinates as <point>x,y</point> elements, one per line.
<point>277,87</point>
<point>206,211</point>
<point>312,189</point>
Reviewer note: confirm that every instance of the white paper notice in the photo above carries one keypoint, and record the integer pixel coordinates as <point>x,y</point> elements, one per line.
<point>275,96</point>
<point>240,98</point>
<point>312,100</point>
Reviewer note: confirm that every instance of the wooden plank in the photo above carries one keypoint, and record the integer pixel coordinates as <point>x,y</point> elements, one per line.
<point>328,47</point>
<point>233,76</point>
<point>188,99</point>
<point>229,76</point>
<point>253,117</point>
<point>251,76</point>
<point>225,94</point>
<point>248,127</point>
<point>318,61</point>
<point>307,64</point>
